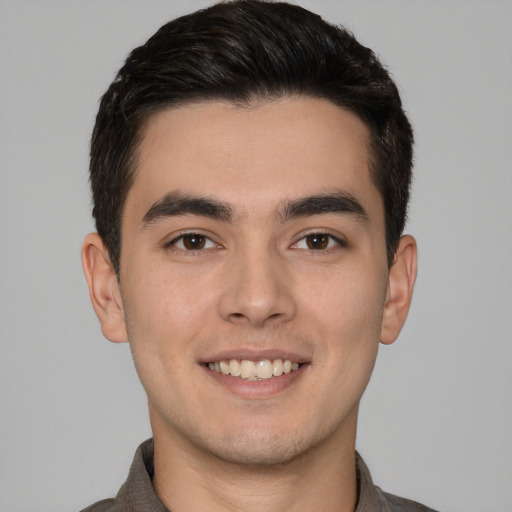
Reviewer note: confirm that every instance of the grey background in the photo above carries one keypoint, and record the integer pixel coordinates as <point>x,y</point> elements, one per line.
<point>436,422</point>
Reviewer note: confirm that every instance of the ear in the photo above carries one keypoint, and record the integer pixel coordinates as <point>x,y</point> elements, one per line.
<point>402,276</point>
<point>103,288</point>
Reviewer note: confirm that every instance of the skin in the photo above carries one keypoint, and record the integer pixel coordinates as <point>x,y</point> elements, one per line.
<point>256,288</point>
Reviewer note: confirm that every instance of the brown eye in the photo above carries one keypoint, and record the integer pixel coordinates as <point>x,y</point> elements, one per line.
<point>320,242</point>
<point>194,242</point>
<point>317,241</point>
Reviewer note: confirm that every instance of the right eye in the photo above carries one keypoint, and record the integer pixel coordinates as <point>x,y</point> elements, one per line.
<point>192,242</point>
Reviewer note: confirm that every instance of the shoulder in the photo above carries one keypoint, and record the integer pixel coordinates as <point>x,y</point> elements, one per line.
<point>109,505</point>
<point>392,503</point>
<point>373,499</point>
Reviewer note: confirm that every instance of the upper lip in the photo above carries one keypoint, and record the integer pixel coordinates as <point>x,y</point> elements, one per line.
<point>255,355</point>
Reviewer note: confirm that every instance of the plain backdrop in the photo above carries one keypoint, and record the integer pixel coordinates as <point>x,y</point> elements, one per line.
<point>436,421</point>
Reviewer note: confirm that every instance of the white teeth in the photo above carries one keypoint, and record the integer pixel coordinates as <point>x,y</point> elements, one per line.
<point>234,367</point>
<point>260,370</point>
<point>277,369</point>
<point>247,369</point>
<point>264,369</point>
<point>224,367</point>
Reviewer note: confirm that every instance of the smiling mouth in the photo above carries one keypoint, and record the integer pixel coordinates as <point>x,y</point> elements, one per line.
<point>254,370</point>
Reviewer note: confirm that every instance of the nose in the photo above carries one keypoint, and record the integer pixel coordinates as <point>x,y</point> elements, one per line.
<point>258,289</point>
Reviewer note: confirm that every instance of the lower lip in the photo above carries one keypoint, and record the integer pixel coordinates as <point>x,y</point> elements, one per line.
<point>257,389</point>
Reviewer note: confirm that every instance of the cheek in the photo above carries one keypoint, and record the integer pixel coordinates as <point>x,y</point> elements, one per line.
<point>349,303</point>
<point>345,319</point>
<point>161,321</point>
<point>172,303</point>
<point>163,316</point>
<point>348,316</point>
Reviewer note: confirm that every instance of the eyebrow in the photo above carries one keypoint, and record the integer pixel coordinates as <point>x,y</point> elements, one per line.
<point>338,202</point>
<point>176,203</point>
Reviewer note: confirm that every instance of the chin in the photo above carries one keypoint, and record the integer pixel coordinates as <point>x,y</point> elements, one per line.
<point>262,446</point>
<point>257,448</point>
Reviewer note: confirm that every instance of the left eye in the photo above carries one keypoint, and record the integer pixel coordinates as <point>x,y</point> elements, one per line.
<point>317,242</point>
<point>192,242</point>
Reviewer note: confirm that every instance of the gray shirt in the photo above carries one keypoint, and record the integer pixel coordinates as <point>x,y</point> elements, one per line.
<point>137,493</point>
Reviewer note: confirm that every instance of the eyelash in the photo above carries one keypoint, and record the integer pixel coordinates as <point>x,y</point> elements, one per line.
<point>207,243</point>
<point>332,242</point>
<point>180,240</point>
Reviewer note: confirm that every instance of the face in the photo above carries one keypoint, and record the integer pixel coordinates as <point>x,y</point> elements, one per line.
<point>252,241</point>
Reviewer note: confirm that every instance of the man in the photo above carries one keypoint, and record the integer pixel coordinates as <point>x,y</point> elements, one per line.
<point>250,169</point>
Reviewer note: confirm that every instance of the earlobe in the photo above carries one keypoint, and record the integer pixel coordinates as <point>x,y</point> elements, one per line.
<point>103,288</point>
<point>402,276</point>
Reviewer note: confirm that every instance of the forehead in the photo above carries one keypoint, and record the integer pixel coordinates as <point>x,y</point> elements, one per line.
<point>255,155</point>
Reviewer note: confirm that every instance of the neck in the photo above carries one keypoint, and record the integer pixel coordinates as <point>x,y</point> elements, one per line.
<point>187,479</point>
